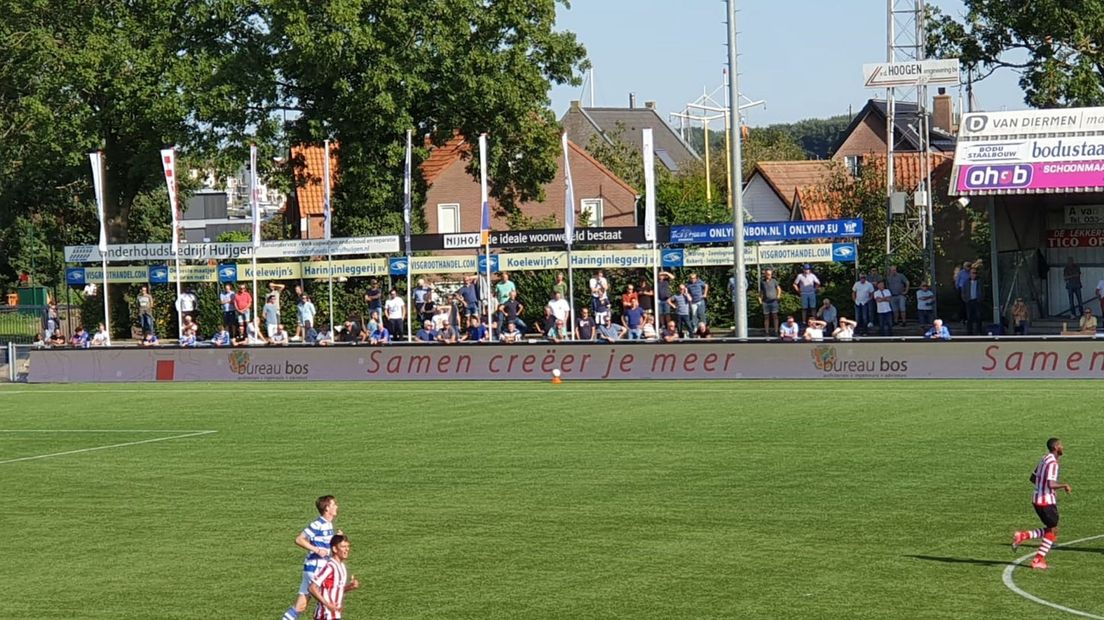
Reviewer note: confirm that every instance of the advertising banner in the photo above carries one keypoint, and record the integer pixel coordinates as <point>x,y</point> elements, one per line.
<point>1075,238</point>
<point>768,231</point>
<point>548,238</point>
<point>1029,123</point>
<point>1011,178</point>
<point>294,248</point>
<point>1089,148</point>
<point>944,72</point>
<point>1085,215</point>
<point>981,359</point>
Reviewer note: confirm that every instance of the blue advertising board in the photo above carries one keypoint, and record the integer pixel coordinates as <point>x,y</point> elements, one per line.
<point>768,231</point>
<point>159,274</point>
<point>398,266</point>
<point>74,275</point>
<point>228,272</point>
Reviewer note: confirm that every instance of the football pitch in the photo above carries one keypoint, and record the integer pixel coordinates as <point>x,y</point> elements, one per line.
<point>832,499</point>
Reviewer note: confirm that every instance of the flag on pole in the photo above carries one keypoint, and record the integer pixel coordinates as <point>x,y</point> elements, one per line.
<point>97,160</point>
<point>649,187</point>
<point>569,196</point>
<point>168,161</point>
<point>485,222</point>
<point>406,192</point>
<point>327,216</point>
<point>254,197</point>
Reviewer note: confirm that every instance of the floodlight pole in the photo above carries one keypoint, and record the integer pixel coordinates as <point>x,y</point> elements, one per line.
<point>736,196</point>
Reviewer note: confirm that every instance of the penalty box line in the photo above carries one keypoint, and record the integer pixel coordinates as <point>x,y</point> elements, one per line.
<point>1011,585</point>
<point>98,448</point>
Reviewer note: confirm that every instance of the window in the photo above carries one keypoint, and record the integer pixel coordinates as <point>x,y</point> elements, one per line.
<point>590,212</point>
<point>448,219</point>
<point>854,165</point>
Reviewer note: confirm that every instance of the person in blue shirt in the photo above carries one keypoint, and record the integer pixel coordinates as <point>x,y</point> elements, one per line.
<point>938,331</point>
<point>188,339</point>
<point>699,292</point>
<point>221,338</point>
<point>380,336</point>
<point>315,539</point>
<point>633,319</point>
<point>426,333</point>
<point>476,332</point>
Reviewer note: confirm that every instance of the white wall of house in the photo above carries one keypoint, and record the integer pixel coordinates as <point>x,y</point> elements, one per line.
<point>762,204</point>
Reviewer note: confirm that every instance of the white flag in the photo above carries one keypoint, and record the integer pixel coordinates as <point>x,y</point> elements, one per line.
<point>97,159</point>
<point>406,191</point>
<point>168,161</point>
<point>569,196</point>
<point>327,216</point>
<point>254,198</point>
<point>649,187</point>
<point>485,218</point>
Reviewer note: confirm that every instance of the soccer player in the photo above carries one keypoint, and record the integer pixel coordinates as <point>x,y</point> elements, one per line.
<point>331,582</point>
<point>315,538</point>
<point>1045,479</point>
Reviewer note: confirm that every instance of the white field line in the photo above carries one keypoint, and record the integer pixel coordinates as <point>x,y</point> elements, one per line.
<point>109,447</point>
<point>1011,585</point>
<point>96,430</point>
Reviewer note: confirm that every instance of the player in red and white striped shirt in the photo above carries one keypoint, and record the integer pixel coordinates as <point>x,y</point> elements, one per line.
<point>1045,479</point>
<point>330,582</point>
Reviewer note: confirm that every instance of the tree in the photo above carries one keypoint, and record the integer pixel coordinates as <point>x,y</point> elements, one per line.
<point>1054,46</point>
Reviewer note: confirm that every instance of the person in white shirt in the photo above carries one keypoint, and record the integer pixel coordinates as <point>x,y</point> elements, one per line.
<point>186,303</point>
<point>100,338</point>
<point>279,337</point>
<point>846,329</point>
<point>814,330</point>
<point>882,298</point>
<point>561,309</point>
<point>861,293</point>
<point>925,305</point>
<point>91,290</point>
<point>396,314</point>
<point>306,312</point>
<point>789,330</point>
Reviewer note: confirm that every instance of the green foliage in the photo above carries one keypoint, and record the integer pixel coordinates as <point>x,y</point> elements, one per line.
<point>235,236</point>
<point>1054,46</point>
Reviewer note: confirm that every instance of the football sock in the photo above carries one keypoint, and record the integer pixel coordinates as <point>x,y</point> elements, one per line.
<point>290,614</point>
<point>1044,549</point>
<point>1035,533</point>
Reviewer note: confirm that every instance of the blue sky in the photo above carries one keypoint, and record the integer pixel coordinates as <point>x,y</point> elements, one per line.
<point>804,57</point>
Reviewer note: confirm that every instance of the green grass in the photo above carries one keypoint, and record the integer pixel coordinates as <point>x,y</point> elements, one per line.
<point>834,499</point>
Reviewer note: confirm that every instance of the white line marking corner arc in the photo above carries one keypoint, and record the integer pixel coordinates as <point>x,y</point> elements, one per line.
<point>1011,585</point>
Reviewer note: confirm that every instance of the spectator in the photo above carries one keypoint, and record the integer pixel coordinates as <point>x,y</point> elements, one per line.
<point>243,306</point>
<point>560,286</point>
<point>423,299</point>
<point>52,319</point>
<point>186,303</point>
<point>699,292</point>
<point>1087,324</point>
<point>702,331</point>
<point>925,305</point>
<point>324,337</point>
<point>221,337</point>
<point>374,322</point>
<point>255,334</point>
<point>807,284</point>
<point>846,329</point>
<point>240,339</point>
<point>477,331</point>
<point>770,295</point>
<point>514,309</point>
<point>546,322</point>
<point>305,312</point>
<point>1072,275</point>
<point>646,296</point>
<point>1021,317</point>
<point>149,339</point>
<point>1100,295</point>
<point>373,297</point>
<point>189,323</point>
<point>558,332</point>
<point>57,338</point>
<point>599,287</point>
<point>456,310</point>
<point>503,288</point>
<point>271,313</point>
<point>875,277</point>
<point>226,301</point>
<point>188,337</point>
<point>663,294</point>
<point>79,340</point>
<point>469,296</point>
<point>276,289</point>
<point>350,331</point>
<point>381,335</point>
<point>91,290</point>
<point>511,334</point>
<point>814,330</point>
<point>145,310</point>
<point>39,341</point>
<point>938,331</point>
<point>898,286</point>
<point>396,314</point>
<point>628,296</point>
<point>973,293</point>
<point>584,327</point>
<point>601,307</point>
<point>100,338</point>
<point>426,333</point>
<point>633,319</point>
<point>440,318</point>
<point>884,307</point>
<point>279,336</point>
<point>649,330</point>
<point>561,309</point>
<point>447,334</point>
<point>608,331</point>
<point>862,294</point>
<point>680,302</point>
<point>669,333</point>
<point>789,330</point>
<point>961,277</point>
<point>828,314</point>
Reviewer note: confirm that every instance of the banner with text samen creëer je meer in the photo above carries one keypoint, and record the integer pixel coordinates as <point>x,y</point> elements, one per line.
<point>293,248</point>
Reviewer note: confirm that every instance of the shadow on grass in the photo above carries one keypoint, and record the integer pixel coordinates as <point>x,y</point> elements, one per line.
<point>1099,550</point>
<point>946,560</point>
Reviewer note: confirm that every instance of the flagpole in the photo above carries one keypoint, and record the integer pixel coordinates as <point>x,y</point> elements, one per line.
<point>485,226</point>
<point>406,234</point>
<point>98,177</point>
<point>650,215</point>
<point>569,231</point>
<point>327,230</point>
<point>256,220</point>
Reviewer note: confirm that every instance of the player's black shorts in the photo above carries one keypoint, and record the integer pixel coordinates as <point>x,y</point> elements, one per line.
<point>1048,515</point>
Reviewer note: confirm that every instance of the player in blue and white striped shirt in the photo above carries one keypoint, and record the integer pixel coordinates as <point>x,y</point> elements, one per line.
<point>315,538</point>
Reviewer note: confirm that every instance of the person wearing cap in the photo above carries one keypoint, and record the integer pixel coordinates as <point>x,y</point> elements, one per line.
<point>1020,317</point>
<point>862,293</point>
<point>807,284</point>
<point>1088,322</point>
<point>925,305</point>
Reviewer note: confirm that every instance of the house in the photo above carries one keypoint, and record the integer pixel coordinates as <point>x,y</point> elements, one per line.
<point>866,135</point>
<point>452,203</point>
<point>809,203</point>
<point>305,205</point>
<point>583,124</point>
<point>772,188</point>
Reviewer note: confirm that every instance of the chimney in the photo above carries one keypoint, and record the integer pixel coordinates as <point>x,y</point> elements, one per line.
<point>943,112</point>
<point>576,104</point>
<point>632,100</point>
<point>649,104</point>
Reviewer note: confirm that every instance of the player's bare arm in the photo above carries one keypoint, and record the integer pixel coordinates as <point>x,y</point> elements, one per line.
<point>301,541</point>
<point>317,594</point>
<point>353,584</point>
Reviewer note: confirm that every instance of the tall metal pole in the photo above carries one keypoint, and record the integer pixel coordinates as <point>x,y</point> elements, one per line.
<point>736,198</point>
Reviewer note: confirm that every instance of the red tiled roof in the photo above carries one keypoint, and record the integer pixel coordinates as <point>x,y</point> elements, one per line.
<point>308,163</point>
<point>786,177</point>
<point>907,174</point>
<point>441,157</point>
